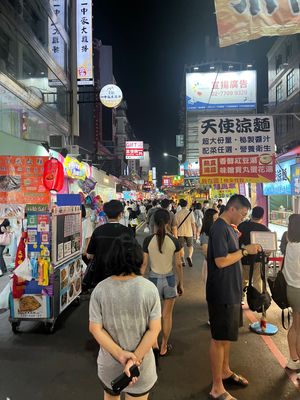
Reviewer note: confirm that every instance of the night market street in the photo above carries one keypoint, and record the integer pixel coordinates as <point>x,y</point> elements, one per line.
<point>40,366</point>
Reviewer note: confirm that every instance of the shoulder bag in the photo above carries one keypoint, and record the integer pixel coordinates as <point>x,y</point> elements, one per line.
<point>257,301</point>
<point>278,287</point>
<point>185,218</point>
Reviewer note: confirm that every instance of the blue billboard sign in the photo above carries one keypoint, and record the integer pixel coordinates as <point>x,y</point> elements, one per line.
<point>281,186</point>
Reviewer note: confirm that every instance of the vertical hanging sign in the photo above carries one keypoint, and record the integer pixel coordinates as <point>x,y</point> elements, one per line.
<point>84,43</point>
<point>56,42</point>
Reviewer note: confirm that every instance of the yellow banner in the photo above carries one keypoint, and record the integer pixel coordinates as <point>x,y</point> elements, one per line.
<point>224,190</point>
<point>244,20</point>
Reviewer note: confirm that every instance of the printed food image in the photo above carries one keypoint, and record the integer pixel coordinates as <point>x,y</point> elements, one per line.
<point>63,284</point>
<point>78,266</point>
<point>64,299</point>
<point>71,291</point>
<point>63,274</point>
<point>71,270</point>
<point>28,303</point>
<point>77,284</point>
<point>265,159</point>
<point>9,183</point>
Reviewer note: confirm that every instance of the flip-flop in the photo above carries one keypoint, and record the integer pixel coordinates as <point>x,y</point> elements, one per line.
<point>169,348</point>
<point>223,396</point>
<point>236,379</point>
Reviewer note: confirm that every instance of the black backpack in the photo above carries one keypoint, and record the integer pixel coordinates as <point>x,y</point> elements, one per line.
<point>257,301</point>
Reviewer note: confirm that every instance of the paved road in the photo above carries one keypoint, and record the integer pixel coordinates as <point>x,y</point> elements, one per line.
<point>38,366</point>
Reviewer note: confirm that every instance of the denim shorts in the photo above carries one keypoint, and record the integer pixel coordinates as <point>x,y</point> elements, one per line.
<point>166,285</point>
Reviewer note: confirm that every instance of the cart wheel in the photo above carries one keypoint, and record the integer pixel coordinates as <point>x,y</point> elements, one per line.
<point>15,326</point>
<point>50,327</point>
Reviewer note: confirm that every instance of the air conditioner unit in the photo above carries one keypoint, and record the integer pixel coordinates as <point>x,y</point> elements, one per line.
<point>56,141</point>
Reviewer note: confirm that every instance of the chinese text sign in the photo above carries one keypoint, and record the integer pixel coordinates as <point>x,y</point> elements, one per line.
<point>219,91</point>
<point>244,20</point>
<point>84,43</point>
<point>56,42</point>
<point>134,150</point>
<point>21,180</point>
<point>236,149</point>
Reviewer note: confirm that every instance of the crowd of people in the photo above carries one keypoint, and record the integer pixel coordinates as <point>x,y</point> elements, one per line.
<point>139,285</point>
<point>134,286</point>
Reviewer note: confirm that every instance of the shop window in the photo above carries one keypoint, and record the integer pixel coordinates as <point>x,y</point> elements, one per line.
<point>290,83</point>
<point>279,93</point>
<point>280,126</point>
<point>288,52</point>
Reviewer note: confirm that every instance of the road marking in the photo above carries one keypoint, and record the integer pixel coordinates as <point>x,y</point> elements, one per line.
<point>274,350</point>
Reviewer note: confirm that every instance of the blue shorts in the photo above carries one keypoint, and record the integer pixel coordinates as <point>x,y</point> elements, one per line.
<point>166,285</point>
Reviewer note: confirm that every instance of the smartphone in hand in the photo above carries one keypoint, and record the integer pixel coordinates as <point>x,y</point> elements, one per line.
<point>122,381</point>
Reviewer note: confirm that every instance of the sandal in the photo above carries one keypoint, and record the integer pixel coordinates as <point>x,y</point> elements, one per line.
<point>223,396</point>
<point>236,379</point>
<point>169,348</point>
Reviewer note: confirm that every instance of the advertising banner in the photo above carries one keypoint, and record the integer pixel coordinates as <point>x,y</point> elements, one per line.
<point>21,180</point>
<point>172,181</point>
<point>191,174</point>
<point>295,179</point>
<point>56,42</point>
<point>236,149</point>
<point>84,18</point>
<point>220,90</point>
<point>134,150</point>
<point>282,184</point>
<point>224,190</point>
<point>244,20</point>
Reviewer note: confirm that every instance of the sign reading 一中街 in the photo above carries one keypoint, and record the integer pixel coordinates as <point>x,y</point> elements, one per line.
<point>221,90</point>
<point>244,20</point>
<point>134,150</point>
<point>237,149</point>
<point>111,96</point>
<point>85,74</point>
<point>56,42</point>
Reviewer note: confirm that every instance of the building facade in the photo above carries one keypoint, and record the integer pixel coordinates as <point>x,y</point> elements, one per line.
<point>284,90</point>
<point>35,70</point>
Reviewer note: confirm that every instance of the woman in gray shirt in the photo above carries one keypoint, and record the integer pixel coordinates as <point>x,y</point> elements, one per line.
<point>125,316</point>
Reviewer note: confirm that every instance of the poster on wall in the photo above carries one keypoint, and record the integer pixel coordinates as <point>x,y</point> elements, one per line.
<point>295,179</point>
<point>282,184</point>
<point>240,21</point>
<point>70,275</point>
<point>237,149</point>
<point>85,75</point>
<point>66,233</point>
<point>21,180</point>
<point>220,90</point>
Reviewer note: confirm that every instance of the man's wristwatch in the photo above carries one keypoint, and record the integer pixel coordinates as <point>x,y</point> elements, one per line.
<point>244,252</point>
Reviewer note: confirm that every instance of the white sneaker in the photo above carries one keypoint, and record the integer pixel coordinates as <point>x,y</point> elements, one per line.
<point>1,273</point>
<point>293,365</point>
<point>198,241</point>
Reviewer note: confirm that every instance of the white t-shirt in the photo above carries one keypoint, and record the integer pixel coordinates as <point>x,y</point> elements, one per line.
<point>186,228</point>
<point>291,269</point>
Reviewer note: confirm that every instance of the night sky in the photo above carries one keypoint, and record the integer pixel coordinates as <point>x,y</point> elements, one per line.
<point>152,41</point>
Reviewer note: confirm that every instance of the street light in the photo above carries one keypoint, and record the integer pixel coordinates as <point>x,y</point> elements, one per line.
<point>179,159</point>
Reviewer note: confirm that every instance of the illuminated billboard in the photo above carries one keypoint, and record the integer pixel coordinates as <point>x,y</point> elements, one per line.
<point>134,150</point>
<point>220,90</point>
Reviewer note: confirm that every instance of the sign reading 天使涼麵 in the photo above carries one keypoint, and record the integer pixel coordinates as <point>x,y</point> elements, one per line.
<point>236,149</point>
<point>21,180</point>
<point>244,20</point>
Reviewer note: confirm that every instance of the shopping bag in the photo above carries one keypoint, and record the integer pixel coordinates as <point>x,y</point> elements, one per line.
<point>4,298</point>
<point>24,270</point>
<point>89,275</point>
<point>5,239</point>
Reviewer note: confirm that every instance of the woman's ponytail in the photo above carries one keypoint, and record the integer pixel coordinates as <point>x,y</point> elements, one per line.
<point>161,218</point>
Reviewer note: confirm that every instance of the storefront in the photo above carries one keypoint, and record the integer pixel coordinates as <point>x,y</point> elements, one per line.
<point>281,202</point>
<point>106,184</point>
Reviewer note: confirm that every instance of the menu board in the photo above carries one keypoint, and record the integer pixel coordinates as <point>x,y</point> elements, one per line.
<point>70,282</point>
<point>21,180</point>
<point>267,240</point>
<point>38,231</point>
<point>30,306</point>
<point>66,233</point>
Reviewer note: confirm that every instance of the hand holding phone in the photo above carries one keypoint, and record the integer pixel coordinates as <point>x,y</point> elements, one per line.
<point>122,381</point>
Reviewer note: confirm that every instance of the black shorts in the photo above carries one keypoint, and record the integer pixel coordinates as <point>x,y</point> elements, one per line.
<point>112,393</point>
<point>225,320</point>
